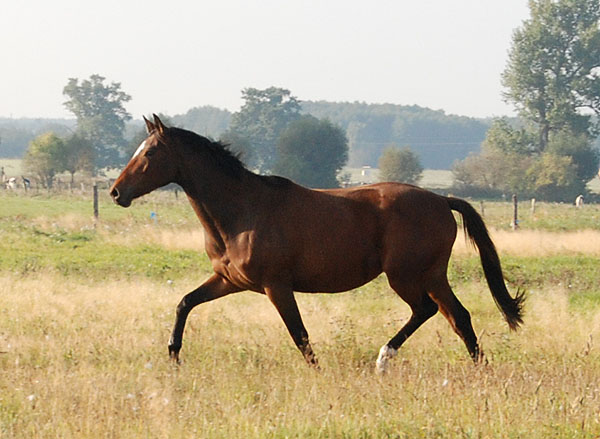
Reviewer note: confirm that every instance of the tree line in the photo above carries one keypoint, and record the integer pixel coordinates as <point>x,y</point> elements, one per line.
<point>269,134</point>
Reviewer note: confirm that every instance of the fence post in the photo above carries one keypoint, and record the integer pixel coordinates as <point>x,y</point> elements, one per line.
<point>482,209</point>
<point>95,190</point>
<point>533,206</point>
<point>515,220</point>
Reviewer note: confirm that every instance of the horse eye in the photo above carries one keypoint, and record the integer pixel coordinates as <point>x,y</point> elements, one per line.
<point>150,152</point>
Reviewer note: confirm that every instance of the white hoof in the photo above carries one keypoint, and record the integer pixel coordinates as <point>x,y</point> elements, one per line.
<point>385,353</point>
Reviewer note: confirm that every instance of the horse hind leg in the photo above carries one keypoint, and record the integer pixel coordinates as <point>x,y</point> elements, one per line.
<point>458,317</point>
<point>423,308</point>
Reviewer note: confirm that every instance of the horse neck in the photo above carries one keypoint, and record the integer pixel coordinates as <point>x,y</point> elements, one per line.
<point>221,201</point>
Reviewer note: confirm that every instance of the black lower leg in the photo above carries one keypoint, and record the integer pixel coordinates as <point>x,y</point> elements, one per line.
<point>285,303</point>
<point>183,310</point>
<point>463,327</point>
<point>420,315</point>
<point>213,288</point>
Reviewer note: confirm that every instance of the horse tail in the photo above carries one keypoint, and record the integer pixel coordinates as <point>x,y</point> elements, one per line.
<point>475,229</point>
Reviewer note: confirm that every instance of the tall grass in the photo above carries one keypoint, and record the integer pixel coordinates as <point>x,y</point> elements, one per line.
<point>88,360</point>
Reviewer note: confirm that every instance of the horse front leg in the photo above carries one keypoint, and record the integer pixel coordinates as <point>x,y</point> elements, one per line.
<point>284,301</point>
<point>215,287</point>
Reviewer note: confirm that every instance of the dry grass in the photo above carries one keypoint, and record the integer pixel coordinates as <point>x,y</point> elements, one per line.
<point>87,361</point>
<point>538,243</point>
<point>169,238</point>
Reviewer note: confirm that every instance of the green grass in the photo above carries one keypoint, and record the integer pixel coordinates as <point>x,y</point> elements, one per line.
<point>169,209</point>
<point>547,216</point>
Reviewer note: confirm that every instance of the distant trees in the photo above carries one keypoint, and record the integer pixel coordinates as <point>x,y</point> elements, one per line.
<point>101,117</point>
<point>311,152</point>
<point>205,120</point>
<point>400,164</point>
<point>553,79</point>
<point>438,138</point>
<point>49,155</point>
<point>44,158</point>
<point>261,120</point>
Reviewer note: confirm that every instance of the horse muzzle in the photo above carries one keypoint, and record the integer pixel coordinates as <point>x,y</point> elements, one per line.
<point>119,197</point>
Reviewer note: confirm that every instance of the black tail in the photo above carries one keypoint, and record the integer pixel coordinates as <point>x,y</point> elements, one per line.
<point>474,227</point>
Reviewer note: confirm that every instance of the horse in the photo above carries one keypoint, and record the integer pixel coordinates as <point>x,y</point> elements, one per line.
<point>269,235</point>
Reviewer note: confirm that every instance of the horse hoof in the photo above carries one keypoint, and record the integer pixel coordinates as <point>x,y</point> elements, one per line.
<point>386,353</point>
<point>174,354</point>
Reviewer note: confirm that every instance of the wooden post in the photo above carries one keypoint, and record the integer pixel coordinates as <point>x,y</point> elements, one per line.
<point>515,221</point>
<point>533,206</point>
<point>482,209</point>
<point>95,190</point>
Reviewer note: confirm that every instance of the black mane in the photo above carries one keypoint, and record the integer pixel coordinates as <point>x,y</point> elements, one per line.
<point>224,157</point>
<point>220,152</point>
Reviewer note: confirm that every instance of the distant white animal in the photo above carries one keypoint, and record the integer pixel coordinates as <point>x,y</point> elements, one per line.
<point>11,183</point>
<point>579,201</point>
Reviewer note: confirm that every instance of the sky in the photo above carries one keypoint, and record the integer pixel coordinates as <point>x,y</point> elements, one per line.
<point>176,55</point>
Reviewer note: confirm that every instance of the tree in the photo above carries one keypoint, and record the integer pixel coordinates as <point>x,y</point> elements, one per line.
<point>399,164</point>
<point>553,68</point>
<point>558,173</point>
<point>503,137</point>
<point>206,120</point>
<point>493,172</point>
<point>44,157</point>
<point>261,120</point>
<point>554,178</point>
<point>100,115</point>
<point>77,155</point>
<point>312,152</point>
<point>579,149</point>
<point>553,79</point>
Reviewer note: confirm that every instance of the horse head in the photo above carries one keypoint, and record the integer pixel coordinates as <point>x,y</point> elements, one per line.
<point>149,168</point>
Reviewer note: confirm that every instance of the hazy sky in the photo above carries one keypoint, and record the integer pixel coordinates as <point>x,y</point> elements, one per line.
<point>172,56</point>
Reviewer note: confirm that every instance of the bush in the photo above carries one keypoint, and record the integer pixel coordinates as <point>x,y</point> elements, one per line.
<point>400,164</point>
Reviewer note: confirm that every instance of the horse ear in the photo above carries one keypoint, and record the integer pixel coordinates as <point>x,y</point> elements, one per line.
<point>159,125</point>
<point>149,125</point>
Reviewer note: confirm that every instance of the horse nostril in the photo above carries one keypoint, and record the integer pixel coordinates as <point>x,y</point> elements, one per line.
<point>115,193</point>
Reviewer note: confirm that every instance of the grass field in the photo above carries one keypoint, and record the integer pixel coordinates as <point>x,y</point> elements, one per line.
<point>86,310</point>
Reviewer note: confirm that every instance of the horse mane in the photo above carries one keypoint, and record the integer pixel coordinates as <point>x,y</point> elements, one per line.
<point>224,157</point>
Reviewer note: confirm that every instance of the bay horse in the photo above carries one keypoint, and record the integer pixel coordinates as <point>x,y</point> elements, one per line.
<point>269,235</point>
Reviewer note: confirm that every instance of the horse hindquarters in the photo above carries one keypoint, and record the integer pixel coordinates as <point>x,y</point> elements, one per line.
<point>416,262</point>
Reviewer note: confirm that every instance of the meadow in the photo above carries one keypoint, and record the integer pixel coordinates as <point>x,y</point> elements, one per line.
<point>86,309</point>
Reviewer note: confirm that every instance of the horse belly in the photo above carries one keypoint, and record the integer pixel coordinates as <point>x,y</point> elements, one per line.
<point>337,268</point>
